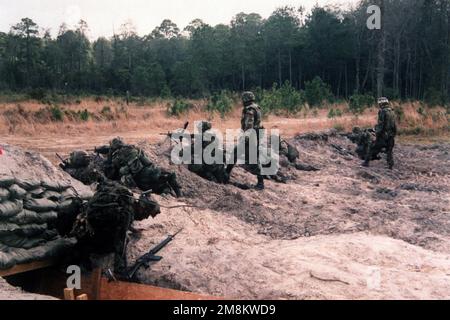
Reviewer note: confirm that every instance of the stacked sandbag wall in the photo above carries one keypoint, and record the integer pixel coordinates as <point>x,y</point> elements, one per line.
<point>29,213</point>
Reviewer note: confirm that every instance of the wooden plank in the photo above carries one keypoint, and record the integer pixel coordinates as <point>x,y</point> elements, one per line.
<point>82,297</point>
<point>96,279</point>
<point>69,294</point>
<point>21,268</point>
<point>118,290</point>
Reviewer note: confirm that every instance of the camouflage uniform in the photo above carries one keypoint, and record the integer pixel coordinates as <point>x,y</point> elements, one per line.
<point>131,166</point>
<point>364,139</point>
<point>103,224</point>
<point>84,167</point>
<point>385,130</point>
<point>251,119</point>
<point>214,172</point>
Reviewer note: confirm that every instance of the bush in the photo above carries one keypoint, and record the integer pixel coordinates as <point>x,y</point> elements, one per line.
<point>333,113</point>
<point>221,103</point>
<point>178,107</point>
<point>38,94</point>
<point>359,102</point>
<point>317,91</point>
<point>434,97</point>
<point>84,115</point>
<point>56,113</point>
<point>284,98</point>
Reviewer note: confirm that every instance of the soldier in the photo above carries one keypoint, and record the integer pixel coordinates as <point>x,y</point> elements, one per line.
<point>131,166</point>
<point>364,139</point>
<point>289,156</point>
<point>214,172</point>
<point>250,120</point>
<point>87,168</point>
<point>385,130</point>
<point>102,225</point>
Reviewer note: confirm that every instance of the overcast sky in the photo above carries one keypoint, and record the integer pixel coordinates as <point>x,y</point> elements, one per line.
<point>104,16</point>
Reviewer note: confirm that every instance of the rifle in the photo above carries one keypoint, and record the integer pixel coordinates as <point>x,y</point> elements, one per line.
<point>150,256</point>
<point>170,134</point>
<point>64,162</point>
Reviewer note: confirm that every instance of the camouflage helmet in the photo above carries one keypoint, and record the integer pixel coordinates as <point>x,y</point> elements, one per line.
<point>356,130</point>
<point>145,207</point>
<point>117,143</point>
<point>248,97</point>
<point>383,101</point>
<point>79,159</point>
<point>204,126</point>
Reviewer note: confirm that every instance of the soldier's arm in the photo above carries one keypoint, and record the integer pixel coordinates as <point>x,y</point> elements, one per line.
<point>381,120</point>
<point>249,120</point>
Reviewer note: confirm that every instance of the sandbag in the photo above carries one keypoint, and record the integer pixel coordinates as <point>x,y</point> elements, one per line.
<point>65,205</point>
<point>9,209</point>
<point>27,217</point>
<point>51,195</point>
<point>17,192</point>
<point>6,261</point>
<point>39,205</point>
<point>31,230</point>
<point>37,193</point>
<point>68,194</point>
<point>6,181</point>
<point>58,186</point>
<point>15,241</point>
<point>4,195</point>
<point>28,184</point>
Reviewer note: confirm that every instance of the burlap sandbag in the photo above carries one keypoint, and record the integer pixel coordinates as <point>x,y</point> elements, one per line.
<point>37,193</point>
<point>9,209</point>
<point>28,184</point>
<point>40,205</point>
<point>17,192</point>
<point>4,194</point>
<point>6,181</point>
<point>28,217</point>
<point>13,240</point>
<point>51,195</point>
<point>58,186</point>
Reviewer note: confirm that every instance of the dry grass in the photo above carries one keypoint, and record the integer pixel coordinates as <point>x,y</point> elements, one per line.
<point>28,119</point>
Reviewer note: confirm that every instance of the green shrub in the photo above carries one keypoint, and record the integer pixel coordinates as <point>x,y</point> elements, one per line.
<point>317,91</point>
<point>284,98</point>
<point>359,102</point>
<point>56,113</point>
<point>84,115</point>
<point>178,107</point>
<point>221,103</point>
<point>333,113</point>
<point>434,97</point>
<point>38,94</point>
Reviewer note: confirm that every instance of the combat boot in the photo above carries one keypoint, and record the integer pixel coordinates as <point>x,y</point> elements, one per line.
<point>260,184</point>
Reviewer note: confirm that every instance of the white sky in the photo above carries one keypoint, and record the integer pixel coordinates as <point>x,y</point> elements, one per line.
<point>103,16</point>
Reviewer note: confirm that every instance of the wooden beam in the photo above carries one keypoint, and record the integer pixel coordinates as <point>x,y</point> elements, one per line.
<point>69,294</point>
<point>118,290</point>
<point>21,268</point>
<point>82,297</point>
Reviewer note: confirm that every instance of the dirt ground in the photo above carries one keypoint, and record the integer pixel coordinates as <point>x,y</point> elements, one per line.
<point>344,232</point>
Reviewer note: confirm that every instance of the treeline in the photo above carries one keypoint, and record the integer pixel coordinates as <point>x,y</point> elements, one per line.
<point>409,58</point>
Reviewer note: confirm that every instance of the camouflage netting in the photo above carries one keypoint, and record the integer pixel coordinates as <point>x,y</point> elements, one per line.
<point>29,211</point>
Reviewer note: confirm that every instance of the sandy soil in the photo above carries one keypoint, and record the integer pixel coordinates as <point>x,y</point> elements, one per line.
<point>345,232</point>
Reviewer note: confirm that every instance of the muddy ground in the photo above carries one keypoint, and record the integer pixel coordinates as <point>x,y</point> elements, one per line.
<point>344,232</point>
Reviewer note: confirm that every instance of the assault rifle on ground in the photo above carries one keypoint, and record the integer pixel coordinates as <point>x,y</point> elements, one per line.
<point>150,256</point>
<point>170,134</point>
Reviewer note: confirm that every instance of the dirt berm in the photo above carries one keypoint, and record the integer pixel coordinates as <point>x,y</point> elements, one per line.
<point>345,232</point>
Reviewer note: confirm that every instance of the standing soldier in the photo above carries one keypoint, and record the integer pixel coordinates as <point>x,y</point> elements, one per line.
<point>251,120</point>
<point>386,130</point>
